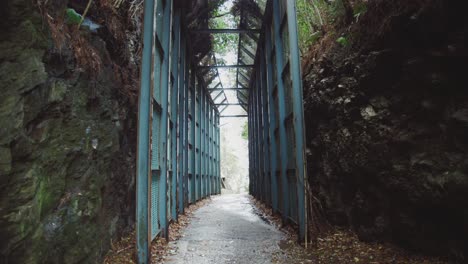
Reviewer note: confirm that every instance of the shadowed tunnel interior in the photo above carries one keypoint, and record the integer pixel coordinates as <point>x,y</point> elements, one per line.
<point>113,147</point>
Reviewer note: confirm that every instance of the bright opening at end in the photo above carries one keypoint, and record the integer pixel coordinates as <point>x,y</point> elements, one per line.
<point>234,155</point>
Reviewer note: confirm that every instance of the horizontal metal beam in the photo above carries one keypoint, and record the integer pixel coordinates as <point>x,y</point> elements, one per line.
<point>227,104</point>
<point>224,31</point>
<point>234,116</point>
<point>227,89</point>
<point>227,66</point>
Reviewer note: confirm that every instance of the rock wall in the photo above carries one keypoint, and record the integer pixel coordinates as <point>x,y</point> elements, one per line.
<point>387,126</point>
<point>67,146</point>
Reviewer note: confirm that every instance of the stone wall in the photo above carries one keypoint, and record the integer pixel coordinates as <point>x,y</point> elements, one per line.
<point>67,146</point>
<point>387,126</point>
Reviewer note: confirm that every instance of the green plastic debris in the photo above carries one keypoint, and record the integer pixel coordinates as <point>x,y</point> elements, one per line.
<point>72,17</point>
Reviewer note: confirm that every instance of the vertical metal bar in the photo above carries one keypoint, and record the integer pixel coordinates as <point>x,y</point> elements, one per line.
<point>210,111</point>
<point>272,121</point>
<point>298,110</point>
<point>193,125</point>
<point>258,138</point>
<point>255,137</point>
<point>182,124</point>
<point>252,142</point>
<point>216,144</point>
<point>219,151</point>
<point>258,132</point>
<point>204,149</point>
<point>218,130</point>
<point>164,118</point>
<point>249,143</point>
<point>283,148</point>
<point>202,142</point>
<point>256,141</point>
<point>189,158</point>
<point>174,112</point>
<point>249,134</point>
<point>207,144</point>
<point>199,188</point>
<point>263,127</point>
<point>255,125</point>
<point>266,129</point>
<point>254,145</point>
<point>143,154</point>
<point>212,151</point>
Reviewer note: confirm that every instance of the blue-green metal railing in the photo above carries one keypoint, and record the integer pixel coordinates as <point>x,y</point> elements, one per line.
<point>166,171</point>
<point>275,116</point>
<point>179,154</point>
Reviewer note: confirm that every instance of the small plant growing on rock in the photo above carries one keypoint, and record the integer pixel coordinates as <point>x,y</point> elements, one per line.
<point>343,41</point>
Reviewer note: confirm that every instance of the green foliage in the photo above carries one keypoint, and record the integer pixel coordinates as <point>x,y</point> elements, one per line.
<point>343,41</point>
<point>309,21</point>
<point>72,17</point>
<point>245,131</point>
<point>222,18</point>
<point>224,43</point>
<point>359,9</point>
<point>316,17</point>
<point>313,16</point>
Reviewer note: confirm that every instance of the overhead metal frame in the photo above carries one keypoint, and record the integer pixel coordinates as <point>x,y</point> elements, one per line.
<point>226,89</point>
<point>241,31</point>
<point>224,31</point>
<point>226,66</point>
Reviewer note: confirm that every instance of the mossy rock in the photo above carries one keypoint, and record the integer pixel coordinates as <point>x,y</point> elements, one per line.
<point>57,91</point>
<point>5,160</point>
<point>11,117</point>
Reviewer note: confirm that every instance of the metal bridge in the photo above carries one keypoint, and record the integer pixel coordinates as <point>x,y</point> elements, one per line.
<point>179,115</point>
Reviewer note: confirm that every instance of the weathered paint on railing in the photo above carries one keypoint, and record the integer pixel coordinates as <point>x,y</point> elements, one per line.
<point>276,122</point>
<point>158,65</point>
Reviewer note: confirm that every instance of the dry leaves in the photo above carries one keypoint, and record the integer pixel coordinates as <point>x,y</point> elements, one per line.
<point>123,251</point>
<point>338,246</point>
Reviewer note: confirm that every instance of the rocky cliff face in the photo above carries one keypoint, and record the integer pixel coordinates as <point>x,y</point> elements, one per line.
<point>66,140</point>
<point>387,126</point>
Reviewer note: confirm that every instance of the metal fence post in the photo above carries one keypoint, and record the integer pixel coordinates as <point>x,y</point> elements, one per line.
<point>143,173</point>
<point>182,124</point>
<point>281,110</point>
<point>298,109</point>
<point>174,112</point>
<point>272,120</point>
<point>164,118</point>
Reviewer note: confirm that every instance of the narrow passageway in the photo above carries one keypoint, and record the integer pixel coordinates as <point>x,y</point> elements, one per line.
<point>345,120</point>
<point>227,230</point>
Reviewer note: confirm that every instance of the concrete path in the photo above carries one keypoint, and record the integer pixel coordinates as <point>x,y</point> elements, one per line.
<point>227,230</point>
